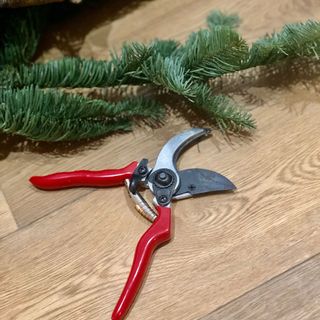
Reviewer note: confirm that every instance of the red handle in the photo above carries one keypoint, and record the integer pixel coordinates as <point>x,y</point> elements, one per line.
<point>82,178</point>
<point>158,233</point>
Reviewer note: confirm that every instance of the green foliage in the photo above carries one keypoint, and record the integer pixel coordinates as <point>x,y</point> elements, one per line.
<point>50,115</point>
<point>165,47</point>
<point>67,72</point>
<point>129,63</point>
<point>71,72</point>
<point>294,40</point>
<point>222,109</point>
<point>167,72</point>
<point>29,108</point>
<point>214,52</point>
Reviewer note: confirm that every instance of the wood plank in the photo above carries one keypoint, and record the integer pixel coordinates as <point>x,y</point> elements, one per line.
<point>72,264</point>
<point>7,222</point>
<point>114,152</point>
<point>105,29</point>
<point>294,295</point>
<point>73,252</point>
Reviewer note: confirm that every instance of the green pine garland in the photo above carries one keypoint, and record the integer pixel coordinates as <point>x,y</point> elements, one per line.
<point>32,103</point>
<point>51,115</point>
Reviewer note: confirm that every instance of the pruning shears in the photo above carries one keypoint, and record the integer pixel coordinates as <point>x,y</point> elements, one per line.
<point>165,182</point>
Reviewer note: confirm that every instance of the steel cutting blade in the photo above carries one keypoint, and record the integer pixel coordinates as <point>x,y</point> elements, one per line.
<point>195,182</point>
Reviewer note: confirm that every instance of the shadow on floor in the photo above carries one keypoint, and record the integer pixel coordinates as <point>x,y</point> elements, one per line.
<point>69,24</point>
<point>278,77</point>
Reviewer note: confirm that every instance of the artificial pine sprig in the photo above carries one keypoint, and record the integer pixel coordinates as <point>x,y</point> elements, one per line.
<point>224,111</point>
<point>293,41</point>
<point>214,52</point>
<point>50,115</point>
<point>169,73</point>
<point>183,69</point>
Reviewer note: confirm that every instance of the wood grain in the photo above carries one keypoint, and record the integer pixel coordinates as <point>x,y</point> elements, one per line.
<point>72,252</point>
<point>7,222</point>
<point>294,295</point>
<point>35,204</point>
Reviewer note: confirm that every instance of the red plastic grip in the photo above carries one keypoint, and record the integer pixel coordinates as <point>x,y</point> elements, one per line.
<point>84,178</point>
<point>158,233</point>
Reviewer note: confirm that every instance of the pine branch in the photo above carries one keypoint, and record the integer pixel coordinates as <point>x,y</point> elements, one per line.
<point>212,53</point>
<point>127,65</point>
<point>123,69</point>
<point>51,115</point>
<point>217,18</point>
<point>221,109</point>
<point>76,72</point>
<point>67,72</point>
<point>183,69</point>
<point>169,73</point>
<point>165,48</point>
<point>293,41</point>
<point>206,54</point>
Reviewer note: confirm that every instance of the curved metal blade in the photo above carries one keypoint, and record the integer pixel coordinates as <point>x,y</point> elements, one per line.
<point>200,181</point>
<point>171,150</point>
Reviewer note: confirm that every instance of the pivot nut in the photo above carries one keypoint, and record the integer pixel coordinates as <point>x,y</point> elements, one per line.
<point>163,179</point>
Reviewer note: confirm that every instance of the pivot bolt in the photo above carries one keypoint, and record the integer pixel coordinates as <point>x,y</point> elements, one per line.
<point>163,179</point>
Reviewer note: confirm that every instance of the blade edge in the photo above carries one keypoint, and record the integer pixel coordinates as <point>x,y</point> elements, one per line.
<point>197,181</point>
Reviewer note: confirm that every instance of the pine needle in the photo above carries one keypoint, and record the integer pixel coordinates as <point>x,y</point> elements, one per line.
<point>222,110</point>
<point>293,41</point>
<point>165,48</point>
<point>167,72</point>
<point>51,115</point>
<point>212,53</point>
<point>67,72</point>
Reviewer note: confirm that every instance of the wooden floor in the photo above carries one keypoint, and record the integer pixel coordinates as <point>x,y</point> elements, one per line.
<point>253,254</point>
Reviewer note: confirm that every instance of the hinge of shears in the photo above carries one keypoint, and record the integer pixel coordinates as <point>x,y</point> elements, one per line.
<point>141,205</point>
